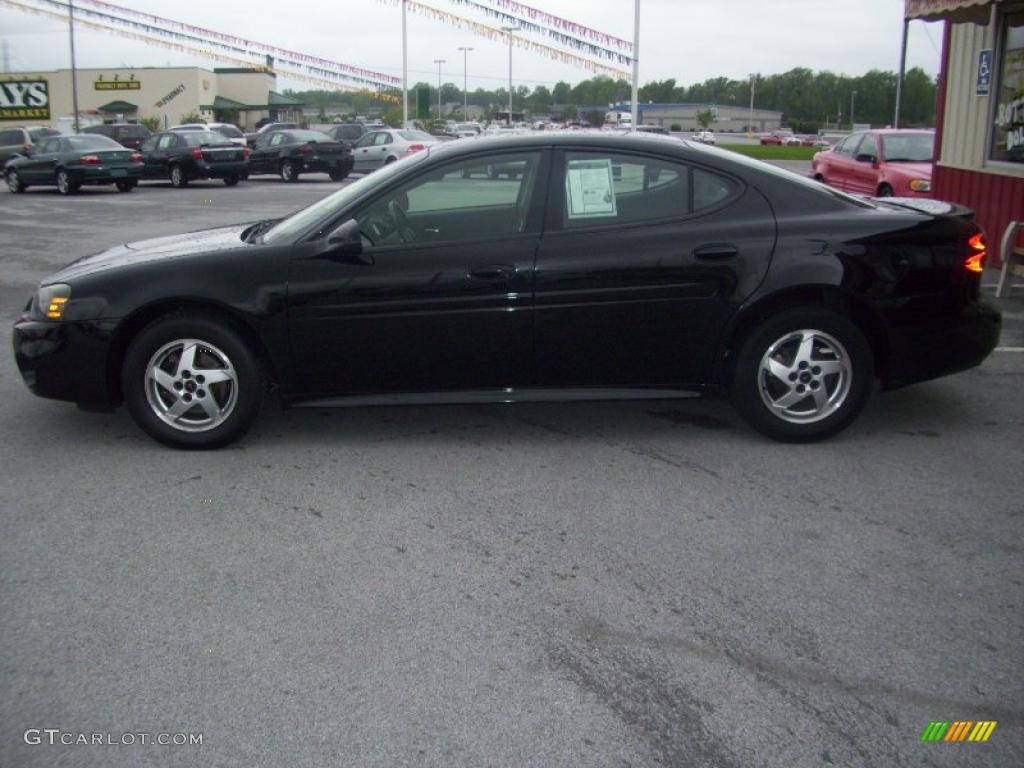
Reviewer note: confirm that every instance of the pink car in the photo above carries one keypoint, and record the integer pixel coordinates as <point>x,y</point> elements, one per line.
<point>879,164</point>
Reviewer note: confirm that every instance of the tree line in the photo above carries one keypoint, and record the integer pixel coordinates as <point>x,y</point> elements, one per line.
<point>807,99</point>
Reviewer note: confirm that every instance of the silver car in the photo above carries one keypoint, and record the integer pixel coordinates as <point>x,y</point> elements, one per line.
<point>378,148</point>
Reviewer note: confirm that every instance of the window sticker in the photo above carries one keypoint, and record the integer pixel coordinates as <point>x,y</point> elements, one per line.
<point>589,189</point>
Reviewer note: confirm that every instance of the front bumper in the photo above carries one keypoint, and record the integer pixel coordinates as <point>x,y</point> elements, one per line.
<point>939,347</point>
<point>65,361</point>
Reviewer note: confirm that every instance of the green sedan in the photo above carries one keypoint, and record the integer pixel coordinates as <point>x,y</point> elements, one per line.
<point>68,162</point>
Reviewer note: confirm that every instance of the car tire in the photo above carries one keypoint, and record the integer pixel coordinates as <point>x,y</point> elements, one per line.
<point>339,175</point>
<point>231,181</point>
<point>884,190</point>
<point>391,160</point>
<point>288,172</point>
<point>14,182</point>
<point>126,186</point>
<point>186,410</point>
<point>803,375</point>
<point>178,176</point>
<point>820,179</point>
<point>64,183</point>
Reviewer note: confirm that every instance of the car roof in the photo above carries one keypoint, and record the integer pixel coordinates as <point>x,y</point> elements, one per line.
<point>896,131</point>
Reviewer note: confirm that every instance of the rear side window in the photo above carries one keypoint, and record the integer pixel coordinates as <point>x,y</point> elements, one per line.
<point>133,131</point>
<point>607,188</point>
<point>348,132</point>
<point>51,146</point>
<point>869,146</point>
<point>709,189</point>
<point>167,141</point>
<point>10,138</point>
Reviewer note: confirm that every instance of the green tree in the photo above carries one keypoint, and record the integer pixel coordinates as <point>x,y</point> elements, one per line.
<point>705,117</point>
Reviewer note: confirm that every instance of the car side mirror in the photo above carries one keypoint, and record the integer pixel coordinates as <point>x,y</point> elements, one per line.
<point>865,158</point>
<point>345,243</point>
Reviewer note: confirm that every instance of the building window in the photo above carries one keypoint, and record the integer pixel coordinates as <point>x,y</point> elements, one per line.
<point>1008,128</point>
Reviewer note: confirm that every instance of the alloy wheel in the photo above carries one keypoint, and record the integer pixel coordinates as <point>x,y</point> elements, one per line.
<point>63,182</point>
<point>191,385</point>
<point>177,177</point>
<point>805,376</point>
<point>13,182</point>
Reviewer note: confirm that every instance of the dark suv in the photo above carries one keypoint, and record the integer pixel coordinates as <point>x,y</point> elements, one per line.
<point>129,135</point>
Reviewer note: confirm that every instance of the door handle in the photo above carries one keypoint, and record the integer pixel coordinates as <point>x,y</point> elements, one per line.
<point>715,251</point>
<point>493,273</point>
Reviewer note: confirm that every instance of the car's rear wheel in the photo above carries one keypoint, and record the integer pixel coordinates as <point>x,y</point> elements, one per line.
<point>288,171</point>
<point>126,186</point>
<point>391,160</point>
<point>14,182</point>
<point>231,181</point>
<point>178,176</point>
<point>884,190</point>
<point>338,175</point>
<point>191,382</point>
<point>64,183</point>
<point>803,375</point>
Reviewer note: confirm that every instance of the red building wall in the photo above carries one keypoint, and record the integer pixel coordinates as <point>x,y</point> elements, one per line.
<point>996,200</point>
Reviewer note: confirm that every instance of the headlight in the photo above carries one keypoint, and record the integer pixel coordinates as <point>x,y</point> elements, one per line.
<point>921,185</point>
<point>52,300</point>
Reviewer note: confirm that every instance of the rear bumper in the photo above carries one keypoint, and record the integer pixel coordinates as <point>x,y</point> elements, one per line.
<point>205,170</point>
<point>343,163</point>
<point>85,174</point>
<point>940,347</point>
<point>64,361</point>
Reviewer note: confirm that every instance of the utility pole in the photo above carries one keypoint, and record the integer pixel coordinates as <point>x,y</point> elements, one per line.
<point>439,62</point>
<point>753,85</point>
<point>74,71</point>
<point>903,72</point>
<point>510,30</point>
<point>405,72</point>
<point>853,101</point>
<point>636,63</point>
<point>465,82</point>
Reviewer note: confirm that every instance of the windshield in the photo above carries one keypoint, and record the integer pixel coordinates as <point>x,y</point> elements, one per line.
<point>908,147</point>
<point>198,138</point>
<point>298,223</point>
<point>92,141</point>
<point>41,133</point>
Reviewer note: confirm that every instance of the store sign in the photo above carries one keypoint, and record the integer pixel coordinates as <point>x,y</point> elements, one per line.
<point>984,73</point>
<point>166,99</point>
<point>117,85</point>
<point>24,100</point>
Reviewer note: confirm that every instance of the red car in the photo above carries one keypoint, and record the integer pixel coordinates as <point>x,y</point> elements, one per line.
<point>775,138</point>
<point>879,164</point>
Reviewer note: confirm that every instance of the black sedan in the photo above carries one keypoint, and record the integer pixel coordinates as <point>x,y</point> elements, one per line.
<point>181,157</point>
<point>604,267</point>
<point>68,162</point>
<point>293,152</point>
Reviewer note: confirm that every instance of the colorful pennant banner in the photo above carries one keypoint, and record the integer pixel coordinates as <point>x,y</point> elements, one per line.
<point>579,30</point>
<point>493,33</point>
<point>563,38</point>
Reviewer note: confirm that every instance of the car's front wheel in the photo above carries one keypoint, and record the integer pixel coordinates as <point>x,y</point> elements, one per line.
<point>884,190</point>
<point>14,182</point>
<point>803,375</point>
<point>230,181</point>
<point>191,382</point>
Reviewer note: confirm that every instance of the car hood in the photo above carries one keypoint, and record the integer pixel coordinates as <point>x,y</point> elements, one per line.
<point>912,170</point>
<point>159,248</point>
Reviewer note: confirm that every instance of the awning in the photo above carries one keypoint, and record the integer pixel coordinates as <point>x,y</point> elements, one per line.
<point>957,11</point>
<point>118,106</point>
<point>222,102</point>
<point>280,100</point>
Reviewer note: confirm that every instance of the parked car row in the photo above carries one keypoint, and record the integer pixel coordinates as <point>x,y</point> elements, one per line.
<point>179,156</point>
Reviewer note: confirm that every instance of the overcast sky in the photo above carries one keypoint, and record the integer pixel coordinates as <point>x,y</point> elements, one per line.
<point>690,41</point>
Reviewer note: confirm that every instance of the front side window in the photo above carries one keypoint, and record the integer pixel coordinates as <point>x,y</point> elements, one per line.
<point>278,138</point>
<point>472,199</point>
<point>1008,126</point>
<point>51,146</point>
<point>847,145</point>
<point>366,140</point>
<point>607,188</point>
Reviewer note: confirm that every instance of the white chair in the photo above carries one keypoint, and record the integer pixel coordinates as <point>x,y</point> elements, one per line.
<point>1009,255</point>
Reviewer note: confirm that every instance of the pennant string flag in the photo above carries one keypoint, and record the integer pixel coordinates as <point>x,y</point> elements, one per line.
<point>579,30</point>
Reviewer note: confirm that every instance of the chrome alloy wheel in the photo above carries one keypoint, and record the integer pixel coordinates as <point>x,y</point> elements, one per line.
<point>805,377</point>
<point>191,385</point>
<point>13,182</point>
<point>63,182</point>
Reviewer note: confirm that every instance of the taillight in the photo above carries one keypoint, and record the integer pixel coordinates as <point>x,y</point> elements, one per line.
<point>977,250</point>
<point>136,157</point>
<point>245,153</point>
<point>197,153</point>
<point>90,160</point>
<point>305,149</point>
<point>415,148</point>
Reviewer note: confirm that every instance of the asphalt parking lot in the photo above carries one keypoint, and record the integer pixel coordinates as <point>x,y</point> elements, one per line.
<point>624,584</point>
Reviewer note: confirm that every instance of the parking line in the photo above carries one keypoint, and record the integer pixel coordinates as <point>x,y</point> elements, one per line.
<point>1009,349</point>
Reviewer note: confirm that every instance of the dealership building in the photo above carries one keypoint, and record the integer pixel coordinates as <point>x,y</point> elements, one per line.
<point>238,95</point>
<point>979,153</point>
<point>728,119</point>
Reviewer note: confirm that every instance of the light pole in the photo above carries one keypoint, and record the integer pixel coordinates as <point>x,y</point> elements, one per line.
<point>439,62</point>
<point>636,63</point>
<point>465,81</point>
<point>753,85</point>
<point>405,72</point>
<point>902,74</point>
<point>74,71</point>
<point>853,100</point>
<point>510,30</point>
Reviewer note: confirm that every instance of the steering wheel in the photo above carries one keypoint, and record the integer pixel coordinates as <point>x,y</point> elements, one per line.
<point>402,223</point>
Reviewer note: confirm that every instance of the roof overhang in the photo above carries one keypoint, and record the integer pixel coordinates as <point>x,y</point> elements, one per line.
<point>118,106</point>
<point>956,11</point>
